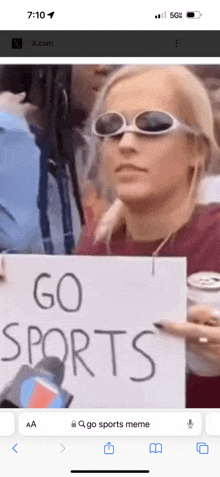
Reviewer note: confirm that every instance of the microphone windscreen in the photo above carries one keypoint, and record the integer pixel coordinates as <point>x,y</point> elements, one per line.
<point>54,366</point>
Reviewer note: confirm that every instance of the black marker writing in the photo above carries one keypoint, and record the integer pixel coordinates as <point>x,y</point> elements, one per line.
<point>32,343</point>
<point>4,331</point>
<point>134,344</point>
<point>50,302</point>
<point>37,339</point>
<point>55,330</point>
<point>79,290</point>
<point>76,352</point>
<point>112,334</point>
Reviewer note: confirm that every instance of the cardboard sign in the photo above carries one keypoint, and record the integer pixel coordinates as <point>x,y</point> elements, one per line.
<point>97,314</point>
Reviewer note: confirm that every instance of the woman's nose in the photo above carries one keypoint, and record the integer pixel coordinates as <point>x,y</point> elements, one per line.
<point>129,142</point>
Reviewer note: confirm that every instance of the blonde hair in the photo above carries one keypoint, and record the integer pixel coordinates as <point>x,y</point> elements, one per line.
<point>194,93</point>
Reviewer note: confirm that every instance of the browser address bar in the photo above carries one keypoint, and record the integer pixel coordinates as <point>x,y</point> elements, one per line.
<point>90,423</point>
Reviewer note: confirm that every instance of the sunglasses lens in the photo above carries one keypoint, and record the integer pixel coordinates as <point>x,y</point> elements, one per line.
<point>108,123</point>
<point>153,121</point>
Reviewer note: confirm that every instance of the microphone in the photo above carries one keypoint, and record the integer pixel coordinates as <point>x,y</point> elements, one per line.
<point>190,424</point>
<point>38,387</point>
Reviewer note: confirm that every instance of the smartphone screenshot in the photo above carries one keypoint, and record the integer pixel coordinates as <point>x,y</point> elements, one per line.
<point>109,241</point>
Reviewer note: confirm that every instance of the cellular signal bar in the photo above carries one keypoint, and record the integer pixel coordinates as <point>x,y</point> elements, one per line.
<point>161,15</point>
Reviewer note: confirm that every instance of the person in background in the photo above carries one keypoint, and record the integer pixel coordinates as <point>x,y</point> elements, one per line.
<point>40,201</point>
<point>19,216</point>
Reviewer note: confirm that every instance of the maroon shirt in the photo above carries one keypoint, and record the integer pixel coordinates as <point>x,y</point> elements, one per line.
<point>199,241</point>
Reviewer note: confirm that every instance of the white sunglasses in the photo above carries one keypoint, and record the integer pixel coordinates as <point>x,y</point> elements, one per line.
<point>147,122</point>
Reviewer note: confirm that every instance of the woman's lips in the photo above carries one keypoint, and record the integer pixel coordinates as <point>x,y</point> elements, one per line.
<point>132,167</point>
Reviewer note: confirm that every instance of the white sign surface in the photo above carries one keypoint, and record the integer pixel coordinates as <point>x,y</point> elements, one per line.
<point>97,314</point>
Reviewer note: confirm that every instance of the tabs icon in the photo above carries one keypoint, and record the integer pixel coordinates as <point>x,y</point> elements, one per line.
<point>202,448</point>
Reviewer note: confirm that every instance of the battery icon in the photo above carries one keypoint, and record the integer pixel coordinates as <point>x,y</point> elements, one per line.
<point>195,14</point>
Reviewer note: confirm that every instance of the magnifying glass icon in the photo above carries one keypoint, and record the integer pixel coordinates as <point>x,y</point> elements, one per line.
<point>81,424</point>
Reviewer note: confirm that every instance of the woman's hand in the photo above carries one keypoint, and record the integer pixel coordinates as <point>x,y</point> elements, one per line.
<point>202,333</point>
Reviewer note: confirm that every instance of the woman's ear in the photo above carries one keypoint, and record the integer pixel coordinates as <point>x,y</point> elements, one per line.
<point>203,146</point>
<point>201,153</point>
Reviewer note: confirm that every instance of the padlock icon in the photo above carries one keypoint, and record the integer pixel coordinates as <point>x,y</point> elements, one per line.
<point>73,424</point>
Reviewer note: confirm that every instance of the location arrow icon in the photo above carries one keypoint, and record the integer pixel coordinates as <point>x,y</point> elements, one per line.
<point>50,14</point>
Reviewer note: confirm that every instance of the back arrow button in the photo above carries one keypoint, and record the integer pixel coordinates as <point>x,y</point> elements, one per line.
<point>15,449</point>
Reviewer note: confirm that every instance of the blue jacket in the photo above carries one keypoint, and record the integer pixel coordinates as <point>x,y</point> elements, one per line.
<point>38,213</point>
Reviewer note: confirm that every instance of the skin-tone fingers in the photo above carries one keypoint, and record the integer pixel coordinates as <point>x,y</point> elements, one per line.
<point>191,331</point>
<point>204,315</point>
<point>204,323</point>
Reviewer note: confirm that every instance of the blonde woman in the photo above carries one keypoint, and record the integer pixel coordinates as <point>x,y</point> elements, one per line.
<point>152,139</point>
